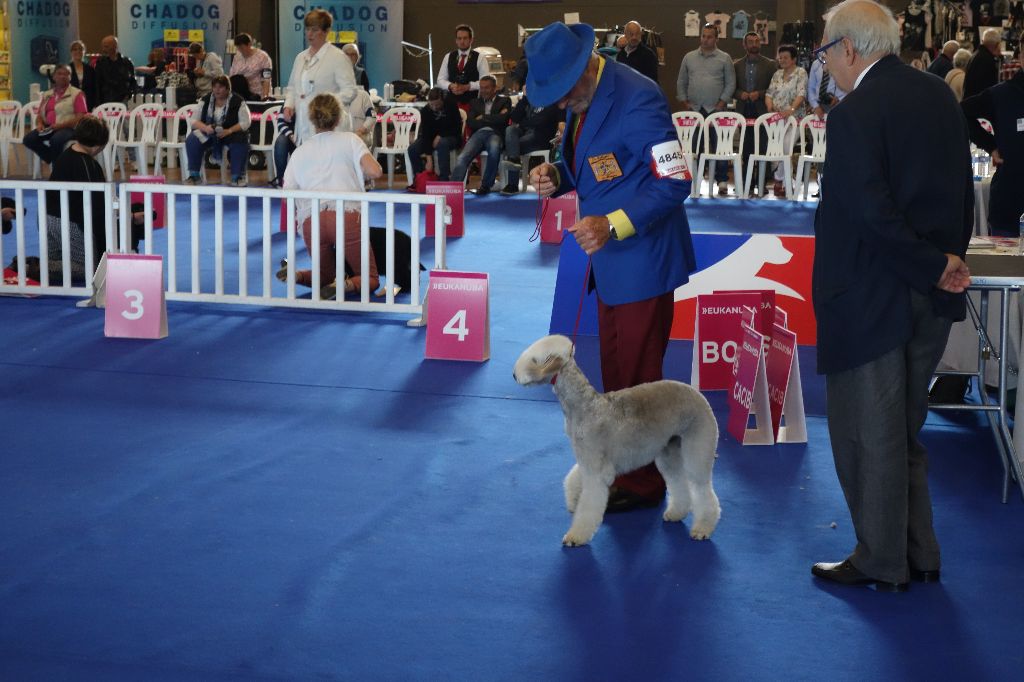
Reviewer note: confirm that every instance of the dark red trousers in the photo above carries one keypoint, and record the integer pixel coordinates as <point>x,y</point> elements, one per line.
<point>634,337</point>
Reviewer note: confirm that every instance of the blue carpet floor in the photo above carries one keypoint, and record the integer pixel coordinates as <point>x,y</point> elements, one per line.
<point>270,494</point>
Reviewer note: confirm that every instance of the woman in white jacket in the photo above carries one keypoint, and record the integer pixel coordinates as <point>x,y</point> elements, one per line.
<point>320,68</point>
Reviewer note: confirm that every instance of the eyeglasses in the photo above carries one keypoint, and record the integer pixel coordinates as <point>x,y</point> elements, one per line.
<point>819,54</point>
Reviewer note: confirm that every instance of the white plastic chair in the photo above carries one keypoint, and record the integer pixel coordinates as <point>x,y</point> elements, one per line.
<point>267,136</point>
<point>175,141</point>
<point>406,122</point>
<point>143,132</point>
<point>10,116</point>
<point>524,164</point>
<point>114,115</point>
<point>778,147</point>
<point>815,128</point>
<point>27,122</point>
<point>729,127</point>
<point>688,125</point>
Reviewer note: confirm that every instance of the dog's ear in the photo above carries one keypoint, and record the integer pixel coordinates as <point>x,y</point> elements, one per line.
<point>551,364</point>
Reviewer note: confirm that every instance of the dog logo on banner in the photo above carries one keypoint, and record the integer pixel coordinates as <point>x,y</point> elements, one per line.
<point>760,262</point>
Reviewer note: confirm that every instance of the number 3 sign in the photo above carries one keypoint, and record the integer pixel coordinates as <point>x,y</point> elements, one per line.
<point>458,316</point>
<point>134,290</point>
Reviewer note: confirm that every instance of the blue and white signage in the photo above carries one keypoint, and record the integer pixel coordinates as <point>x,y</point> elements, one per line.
<point>378,25</point>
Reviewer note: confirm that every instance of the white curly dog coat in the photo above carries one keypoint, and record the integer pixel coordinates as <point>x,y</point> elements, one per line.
<point>665,422</point>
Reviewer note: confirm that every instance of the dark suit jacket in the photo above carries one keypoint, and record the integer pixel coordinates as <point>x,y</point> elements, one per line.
<point>88,85</point>
<point>642,60</point>
<point>897,195</point>
<point>497,120</point>
<point>982,72</point>
<point>766,68</point>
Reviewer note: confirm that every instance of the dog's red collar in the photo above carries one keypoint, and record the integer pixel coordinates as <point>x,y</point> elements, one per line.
<point>554,379</point>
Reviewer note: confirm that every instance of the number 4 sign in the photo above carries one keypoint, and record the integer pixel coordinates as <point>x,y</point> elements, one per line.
<point>458,316</point>
<point>134,292</point>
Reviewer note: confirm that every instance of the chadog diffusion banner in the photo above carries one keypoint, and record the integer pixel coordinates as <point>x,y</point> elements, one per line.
<point>378,25</point>
<point>141,24</point>
<point>41,32</point>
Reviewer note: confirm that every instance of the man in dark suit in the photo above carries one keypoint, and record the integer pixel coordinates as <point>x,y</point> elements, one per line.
<point>621,155</point>
<point>983,69</point>
<point>488,116</point>
<point>753,76</point>
<point>637,55</point>
<point>895,217</point>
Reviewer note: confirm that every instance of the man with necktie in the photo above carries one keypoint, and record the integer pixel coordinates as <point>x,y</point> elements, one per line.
<point>621,156</point>
<point>462,68</point>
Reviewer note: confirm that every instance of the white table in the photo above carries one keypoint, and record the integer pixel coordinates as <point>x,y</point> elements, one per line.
<point>1000,273</point>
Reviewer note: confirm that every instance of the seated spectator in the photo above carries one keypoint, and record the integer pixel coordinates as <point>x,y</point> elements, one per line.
<point>488,116</point>
<point>60,109</point>
<point>360,117</point>
<point>83,76</point>
<point>207,67</point>
<point>254,65</point>
<point>221,120</point>
<point>440,130</point>
<point>331,161</point>
<point>362,79</point>
<point>155,66</point>
<point>530,129</point>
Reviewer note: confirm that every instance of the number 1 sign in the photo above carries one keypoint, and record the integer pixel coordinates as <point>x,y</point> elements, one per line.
<point>557,216</point>
<point>458,316</point>
<point>134,288</point>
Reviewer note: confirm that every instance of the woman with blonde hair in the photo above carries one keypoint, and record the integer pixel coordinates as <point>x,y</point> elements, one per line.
<point>955,77</point>
<point>83,76</point>
<point>331,161</point>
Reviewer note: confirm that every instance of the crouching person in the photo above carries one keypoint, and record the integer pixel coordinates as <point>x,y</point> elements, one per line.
<point>331,161</point>
<point>222,120</point>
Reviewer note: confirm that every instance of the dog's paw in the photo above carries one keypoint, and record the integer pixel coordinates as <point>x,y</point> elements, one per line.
<point>573,540</point>
<point>673,514</point>
<point>700,532</point>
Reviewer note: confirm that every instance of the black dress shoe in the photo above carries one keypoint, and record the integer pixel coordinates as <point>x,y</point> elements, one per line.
<point>846,573</point>
<point>481,191</point>
<point>924,576</point>
<point>622,500</point>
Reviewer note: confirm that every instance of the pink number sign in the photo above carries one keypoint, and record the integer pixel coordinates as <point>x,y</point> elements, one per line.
<point>455,210</point>
<point>458,316</point>
<point>159,200</point>
<point>135,306</point>
<point>557,216</point>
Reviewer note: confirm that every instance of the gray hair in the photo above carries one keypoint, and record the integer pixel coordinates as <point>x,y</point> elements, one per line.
<point>961,58</point>
<point>350,48</point>
<point>992,36</point>
<point>869,26</point>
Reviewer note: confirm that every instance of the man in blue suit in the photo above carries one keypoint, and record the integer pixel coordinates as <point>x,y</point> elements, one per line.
<point>621,156</point>
<point>896,214</point>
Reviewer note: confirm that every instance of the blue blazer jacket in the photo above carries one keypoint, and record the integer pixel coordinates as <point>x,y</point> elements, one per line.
<point>627,118</point>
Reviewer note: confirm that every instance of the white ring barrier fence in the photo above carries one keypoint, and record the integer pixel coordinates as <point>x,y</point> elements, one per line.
<point>180,239</point>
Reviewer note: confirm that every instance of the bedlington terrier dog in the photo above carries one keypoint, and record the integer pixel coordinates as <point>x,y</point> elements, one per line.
<point>665,422</point>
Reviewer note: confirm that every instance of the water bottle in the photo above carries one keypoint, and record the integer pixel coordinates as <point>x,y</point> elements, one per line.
<point>1020,241</point>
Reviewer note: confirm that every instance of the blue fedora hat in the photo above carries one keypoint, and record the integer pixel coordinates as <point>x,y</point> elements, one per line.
<point>557,56</point>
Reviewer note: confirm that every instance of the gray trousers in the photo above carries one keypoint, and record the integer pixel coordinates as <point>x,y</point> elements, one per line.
<point>875,413</point>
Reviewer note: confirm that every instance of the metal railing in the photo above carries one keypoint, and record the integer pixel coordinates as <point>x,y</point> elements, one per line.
<point>250,235</point>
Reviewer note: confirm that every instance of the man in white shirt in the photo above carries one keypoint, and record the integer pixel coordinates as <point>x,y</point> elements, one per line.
<point>462,68</point>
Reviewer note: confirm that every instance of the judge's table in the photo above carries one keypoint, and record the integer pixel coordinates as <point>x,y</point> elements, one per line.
<point>976,350</point>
